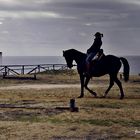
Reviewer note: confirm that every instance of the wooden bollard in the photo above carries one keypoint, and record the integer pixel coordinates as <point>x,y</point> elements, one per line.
<point>72,106</point>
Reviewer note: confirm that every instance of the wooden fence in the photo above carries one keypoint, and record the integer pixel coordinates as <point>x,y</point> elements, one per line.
<point>8,71</point>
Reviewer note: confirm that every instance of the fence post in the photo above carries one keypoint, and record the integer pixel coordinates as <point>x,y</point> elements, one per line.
<point>53,67</point>
<point>22,70</point>
<point>5,72</point>
<point>38,68</point>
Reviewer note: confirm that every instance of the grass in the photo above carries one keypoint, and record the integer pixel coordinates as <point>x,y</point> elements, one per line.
<point>50,77</point>
<point>97,118</point>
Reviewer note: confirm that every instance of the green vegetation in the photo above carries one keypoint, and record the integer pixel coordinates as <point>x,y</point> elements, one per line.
<point>32,114</point>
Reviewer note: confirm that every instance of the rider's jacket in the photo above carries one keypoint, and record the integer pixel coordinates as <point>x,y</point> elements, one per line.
<point>95,46</point>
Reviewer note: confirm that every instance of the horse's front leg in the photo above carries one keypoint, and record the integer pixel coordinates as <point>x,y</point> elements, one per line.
<point>82,80</point>
<point>86,87</point>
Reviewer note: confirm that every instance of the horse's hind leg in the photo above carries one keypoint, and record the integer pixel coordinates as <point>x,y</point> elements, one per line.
<point>110,86</point>
<point>86,87</point>
<point>120,86</point>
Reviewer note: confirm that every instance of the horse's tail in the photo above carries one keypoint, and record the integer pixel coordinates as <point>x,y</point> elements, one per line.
<point>126,68</point>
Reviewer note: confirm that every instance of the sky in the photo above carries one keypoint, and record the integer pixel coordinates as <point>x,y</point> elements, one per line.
<point>47,27</point>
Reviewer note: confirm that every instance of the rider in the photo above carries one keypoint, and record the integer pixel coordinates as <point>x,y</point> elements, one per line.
<point>93,50</point>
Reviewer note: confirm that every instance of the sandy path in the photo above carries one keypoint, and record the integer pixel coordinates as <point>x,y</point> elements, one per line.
<point>40,86</point>
<point>47,86</point>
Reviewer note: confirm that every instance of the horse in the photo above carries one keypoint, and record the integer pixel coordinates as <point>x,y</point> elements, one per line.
<point>108,64</point>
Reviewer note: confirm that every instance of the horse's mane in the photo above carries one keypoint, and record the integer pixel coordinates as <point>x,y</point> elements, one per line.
<point>74,52</point>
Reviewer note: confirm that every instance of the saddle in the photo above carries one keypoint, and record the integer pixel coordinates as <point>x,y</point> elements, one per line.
<point>98,56</point>
<point>94,62</point>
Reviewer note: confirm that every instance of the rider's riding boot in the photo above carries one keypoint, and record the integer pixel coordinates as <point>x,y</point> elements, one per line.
<point>87,69</point>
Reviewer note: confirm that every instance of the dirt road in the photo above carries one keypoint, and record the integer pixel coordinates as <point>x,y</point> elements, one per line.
<point>40,86</point>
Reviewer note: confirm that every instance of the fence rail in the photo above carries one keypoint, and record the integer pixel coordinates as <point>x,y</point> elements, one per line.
<point>18,70</point>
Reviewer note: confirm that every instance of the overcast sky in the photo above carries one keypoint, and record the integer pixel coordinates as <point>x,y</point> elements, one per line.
<point>47,27</point>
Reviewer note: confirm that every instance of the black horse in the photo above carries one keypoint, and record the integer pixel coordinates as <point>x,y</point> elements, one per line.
<point>108,64</point>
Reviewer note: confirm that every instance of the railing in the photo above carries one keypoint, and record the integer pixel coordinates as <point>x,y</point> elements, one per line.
<point>17,70</point>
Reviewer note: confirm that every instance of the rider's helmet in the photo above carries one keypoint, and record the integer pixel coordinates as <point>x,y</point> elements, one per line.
<point>98,34</point>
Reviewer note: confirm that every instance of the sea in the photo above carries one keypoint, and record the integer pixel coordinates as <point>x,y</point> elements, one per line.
<point>134,61</point>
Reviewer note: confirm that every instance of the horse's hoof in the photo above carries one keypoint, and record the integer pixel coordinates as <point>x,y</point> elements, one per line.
<point>94,93</point>
<point>121,97</point>
<point>81,96</point>
<point>103,97</point>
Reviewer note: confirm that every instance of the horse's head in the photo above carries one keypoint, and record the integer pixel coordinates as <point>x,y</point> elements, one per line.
<point>68,58</point>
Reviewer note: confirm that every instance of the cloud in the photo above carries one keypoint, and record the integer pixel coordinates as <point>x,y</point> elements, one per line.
<point>10,3</point>
<point>32,14</point>
<point>63,24</point>
<point>135,2</point>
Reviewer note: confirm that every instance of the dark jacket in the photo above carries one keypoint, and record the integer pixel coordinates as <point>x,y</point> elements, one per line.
<point>95,46</point>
